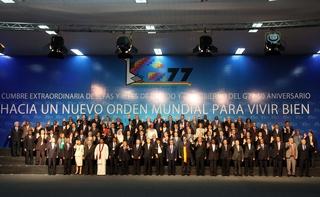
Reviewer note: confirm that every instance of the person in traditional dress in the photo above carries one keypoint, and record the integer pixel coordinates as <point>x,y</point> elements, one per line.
<point>101,154</point>
<point>78,155</point>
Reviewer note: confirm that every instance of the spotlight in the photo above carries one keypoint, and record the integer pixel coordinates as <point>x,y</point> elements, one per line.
<point>2,47</point>
<point>273,44</point>
<point>125,49</point>
<point>56,47</point>
<point>205,48</point>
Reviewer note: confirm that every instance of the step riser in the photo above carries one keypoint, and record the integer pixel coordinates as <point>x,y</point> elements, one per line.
<point>44,170</point>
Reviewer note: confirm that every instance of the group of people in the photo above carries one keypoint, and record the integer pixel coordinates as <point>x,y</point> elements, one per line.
<point>101,146</point>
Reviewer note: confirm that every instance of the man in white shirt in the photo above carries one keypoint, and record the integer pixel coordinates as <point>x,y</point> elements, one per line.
<point>101,154</point>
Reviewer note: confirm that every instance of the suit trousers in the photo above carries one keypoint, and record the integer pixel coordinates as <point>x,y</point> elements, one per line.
<point>277,166</point>
<point>29,157</point>
<point>159,165</point>
<point>67,166</point>
<point>263,167</point>
<point>15,148</point>
<point>200,166</point>
<point>136,166</point>
<point>185,167</point>
<point>248,166</point>
<point>51,166</point>
<point>225,167</point>
<point>237,168</point>
<point>40,157</point>
<point>147,166</point>
<point>88,167</point>
<point>213,167</point>
<point>113,165</point>
<point>125,167</point>
<point>171,167</point>
<point>304,166</point>
<point>291,166</point>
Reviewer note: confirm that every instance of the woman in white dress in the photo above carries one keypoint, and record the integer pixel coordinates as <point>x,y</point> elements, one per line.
<point>78,155</point>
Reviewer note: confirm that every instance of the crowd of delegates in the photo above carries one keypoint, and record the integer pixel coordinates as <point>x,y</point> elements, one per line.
<point>95,145</point>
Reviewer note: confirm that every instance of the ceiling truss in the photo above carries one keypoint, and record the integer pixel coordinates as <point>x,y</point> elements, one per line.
<point>124,28</point>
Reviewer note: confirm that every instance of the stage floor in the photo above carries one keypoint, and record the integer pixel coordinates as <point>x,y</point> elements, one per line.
<point>59,185</point>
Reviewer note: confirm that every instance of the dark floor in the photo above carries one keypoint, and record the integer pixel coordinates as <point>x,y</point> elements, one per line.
<point>61,186</point>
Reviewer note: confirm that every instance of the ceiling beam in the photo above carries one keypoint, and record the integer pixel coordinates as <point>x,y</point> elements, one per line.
<point>113,28</point>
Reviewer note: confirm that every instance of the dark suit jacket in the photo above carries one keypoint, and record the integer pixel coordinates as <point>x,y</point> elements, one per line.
<point>263,154</point>
<point>304,154</point>
<point>136,152</point>
<point>249,154</point>
<point>124,154</point>
<point>52,152</point>
<point>278,153</point>
<point>200,151</point>
<point>28,142</point>
<point>213,154</point>
<point>148,153</point>
<point>237,154</point>
<point>89,152</point>
<point>16,134</point>
<point>113,152</point>
<point>225,153</point>
<point>172,155</point>
<point>68,152</point>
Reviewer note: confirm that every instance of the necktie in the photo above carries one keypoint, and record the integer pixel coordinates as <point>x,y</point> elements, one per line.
<point>171,147</point>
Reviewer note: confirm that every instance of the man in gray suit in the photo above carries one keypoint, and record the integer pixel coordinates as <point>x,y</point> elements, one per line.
<point>291,156</point>
<point>237,158</point>
<point>52,155</point>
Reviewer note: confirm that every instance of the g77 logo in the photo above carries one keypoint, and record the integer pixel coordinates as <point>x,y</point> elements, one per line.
<point>174,72</point>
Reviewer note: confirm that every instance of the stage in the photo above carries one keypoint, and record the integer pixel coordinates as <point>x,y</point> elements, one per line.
<point>59,185</point>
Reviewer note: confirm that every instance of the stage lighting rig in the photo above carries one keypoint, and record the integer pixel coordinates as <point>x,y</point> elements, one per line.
<point>205,48</point>
<point>125,48</point>
<point>273,44</point>
<point>57,48</point>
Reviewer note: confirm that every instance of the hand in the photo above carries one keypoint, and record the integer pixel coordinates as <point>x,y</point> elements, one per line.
<point>254,159</point>
<point>180,157</point>
<point>25,150</point>
<point>167,160</point>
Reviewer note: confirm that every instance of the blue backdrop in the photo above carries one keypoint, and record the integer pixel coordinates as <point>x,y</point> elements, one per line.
<point>220,86</point>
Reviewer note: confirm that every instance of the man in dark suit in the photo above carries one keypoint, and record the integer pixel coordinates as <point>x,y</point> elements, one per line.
<point>263,157</point>
<point>213,157</point>
<point>136,155</point>
<point>124,157</point>
<point>237,158</point>
<point>249,157</point>
<point>185,156</point>
<point>225,157</point>
<point>304,151</point>
<point>278,155</point>
<point>170,123</point>
<point>68,156</point>
<point>113,156</point>
<point>158,156</point>
<point>15,136</point>
<point>171,158</point>
<point>277,132</point>
<point>200,156</point>
<point>29,147</point>
<point>148,151</point>
<point>89,149</point>
<point>52,155</point>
